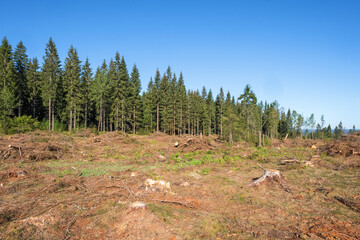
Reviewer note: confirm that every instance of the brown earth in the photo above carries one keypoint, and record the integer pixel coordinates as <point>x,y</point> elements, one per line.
<point>80,185</point>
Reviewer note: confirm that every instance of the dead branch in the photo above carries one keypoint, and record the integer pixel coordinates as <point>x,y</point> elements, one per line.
<point>289,161</point>
<point>17,148</point>
<point>68,228</point>
<point>174,202</point>
<point>127,188</point>
<point>79,172</point>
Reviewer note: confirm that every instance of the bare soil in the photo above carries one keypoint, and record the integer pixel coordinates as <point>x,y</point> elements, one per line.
<point>80,185</point>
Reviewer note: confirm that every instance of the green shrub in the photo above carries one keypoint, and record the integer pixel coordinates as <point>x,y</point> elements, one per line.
<point>19,125</point>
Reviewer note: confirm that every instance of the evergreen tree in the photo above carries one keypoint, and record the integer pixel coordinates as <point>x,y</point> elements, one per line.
<point>148,99</point>
<point>99,95</point>
<point>72,85</point>
<point>86,79</point>
<point>135,100</point>
<point>172,104</point>
<point>124,93</point>
<point>211,111</point>
<point>283,125</point>
<point>248,111</point>
<point>181,104</point>
<point>221,110</point>
<point>34,89</point>
<point>230,118</point>
<point>204,111</point>
<point>157,98</point>
<point>7,79</point>
<point>21,67</point>
<point>328,132</point>
<point>116,90</point>
<point>165,109</point>
<point>51,74</point>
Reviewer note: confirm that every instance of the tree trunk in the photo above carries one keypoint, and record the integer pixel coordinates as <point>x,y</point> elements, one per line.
<point>49,113</point>
<point>75,118</point>
<point>70,117</point>
<point>209,126</point>
<point>197,127</point>
<point>104,120</point>
<point>117,117</point>
<point>221,126</point>
<point>260,138</point>
<point>86,106</point>
<point>53,117</point>
<point>263,139</point>
<point>134,119</point>
<point>157,117</point>
<point>181,122</point>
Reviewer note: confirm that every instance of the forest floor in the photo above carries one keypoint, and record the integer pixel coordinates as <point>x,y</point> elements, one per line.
<point>80,185</point>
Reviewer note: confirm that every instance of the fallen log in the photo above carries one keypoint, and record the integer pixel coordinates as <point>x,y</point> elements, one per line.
<point>289,161</point>
<point>175,202</point>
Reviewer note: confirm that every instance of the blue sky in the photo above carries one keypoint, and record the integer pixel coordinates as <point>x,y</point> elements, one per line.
<point>304,54</point>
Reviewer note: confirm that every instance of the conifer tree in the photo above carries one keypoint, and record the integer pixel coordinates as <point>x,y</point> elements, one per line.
<point>99,94</point>
<point>148,100</point>
<point>72,86</point>
<point>21,66</point>
<point>157,98</point>
<point>221,110</point>
<point>283,125</point>
<point>229,118</point>
<point>125,93</point>
<point>248,111</point>
<point>7,79</point>
<point>34,89</point>
<point>181,104</point>
<point>115,90</point>
<point>86,79</point>
<point>51,74</point>
<point>172,103</point>
<point>135,100</point>
<point>203,111</point>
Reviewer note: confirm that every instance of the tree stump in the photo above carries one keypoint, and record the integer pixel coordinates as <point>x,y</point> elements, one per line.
<point>268,175</point>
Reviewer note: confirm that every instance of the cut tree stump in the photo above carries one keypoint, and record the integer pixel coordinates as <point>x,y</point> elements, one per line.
<point>268,175</point>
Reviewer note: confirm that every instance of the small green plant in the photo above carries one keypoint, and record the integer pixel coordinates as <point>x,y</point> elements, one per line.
<point>204,171</point>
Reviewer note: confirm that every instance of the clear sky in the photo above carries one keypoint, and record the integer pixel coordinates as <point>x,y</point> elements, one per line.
<point>305,54</point>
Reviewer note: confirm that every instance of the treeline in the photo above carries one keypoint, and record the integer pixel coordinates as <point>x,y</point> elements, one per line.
<point>71,96</point>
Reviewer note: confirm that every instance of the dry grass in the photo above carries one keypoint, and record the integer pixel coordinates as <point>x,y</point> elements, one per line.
<point>82,189</point>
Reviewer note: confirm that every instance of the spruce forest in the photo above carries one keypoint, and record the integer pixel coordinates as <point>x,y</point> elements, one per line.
<point>71,95</point>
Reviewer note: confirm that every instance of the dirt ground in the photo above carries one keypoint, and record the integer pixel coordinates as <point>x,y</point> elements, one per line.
<point>81,186</point>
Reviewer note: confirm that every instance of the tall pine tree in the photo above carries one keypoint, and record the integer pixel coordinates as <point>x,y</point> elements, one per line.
<point>51,74</point>
<point>72,86</point>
